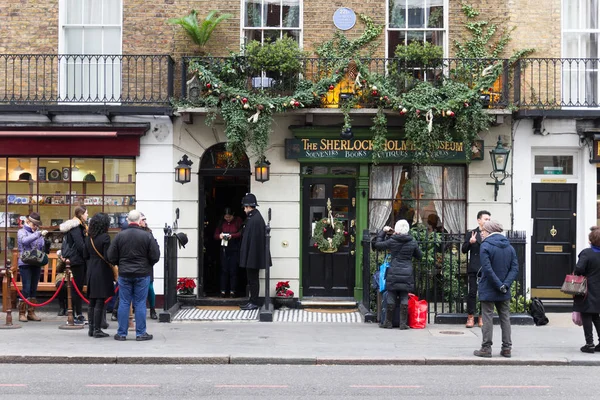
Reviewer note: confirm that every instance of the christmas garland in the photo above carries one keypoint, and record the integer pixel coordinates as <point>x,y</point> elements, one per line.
<point>328,244</point>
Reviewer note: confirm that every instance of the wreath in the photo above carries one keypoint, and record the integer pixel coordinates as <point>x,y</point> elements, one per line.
<point>331,244</point>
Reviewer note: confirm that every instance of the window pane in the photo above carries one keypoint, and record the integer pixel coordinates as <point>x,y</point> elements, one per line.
<point>93,41</point>
<point>73,11</point>
<point>430,182</point>
<point>416,15</point>
<point>253,13</point>
<point>571,14</point>
<point>343,170</point>
<point>340,192</point>
<point>397,14</point>
<point>73,40</point>
<point>112,41</point>
<point>2,173</point>
<point>435,14</point>
<point>251,35</point>
<point>92,11</point>
<point>412,36</point>
<point>554,165</point>
<point>395,38</point>
<point>272,13</point>
<point>294,34</point>
<point>271,35</point>
<point>317,191</point>
<point>112,12</point>
<point>291,14</point>
<point>454,183</point>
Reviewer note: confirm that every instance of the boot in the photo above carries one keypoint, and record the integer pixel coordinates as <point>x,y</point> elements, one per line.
<point>153,313</point>
<point>480,322</point>
<point>22,311</point>
<point>31,312</point>
<point>389,315</point>
<point>62,306</point>
<point>104,322</point>
<point>470,321</point>
<point>404,317</point>
<point>99,334</point>
<point>90,322</point>
<point>90,330</point>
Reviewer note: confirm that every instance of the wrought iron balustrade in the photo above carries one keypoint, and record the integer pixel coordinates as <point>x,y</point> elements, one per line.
<point>77,79</point>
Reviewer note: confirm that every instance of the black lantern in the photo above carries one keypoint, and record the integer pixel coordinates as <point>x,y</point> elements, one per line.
<point>499,156</point>
<point>183,170</point>
<point>261,170</point>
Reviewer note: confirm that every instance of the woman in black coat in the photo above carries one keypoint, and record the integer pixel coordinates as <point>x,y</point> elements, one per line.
<point>75,231</point>
<point>100,276</point>
<point>588,265</point>
<point>399,277</point>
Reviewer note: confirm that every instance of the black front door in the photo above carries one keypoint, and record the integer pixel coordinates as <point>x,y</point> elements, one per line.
<point>554,211</point>
<point>327,274</point>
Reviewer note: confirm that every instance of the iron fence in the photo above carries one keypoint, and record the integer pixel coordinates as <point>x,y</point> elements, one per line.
<point>441,276</point>
<point>51,79</point>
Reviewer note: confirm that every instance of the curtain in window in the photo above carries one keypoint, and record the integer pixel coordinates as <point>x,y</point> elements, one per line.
<point>434,176</point>
<point>454,188</point>
<point>383,184</point>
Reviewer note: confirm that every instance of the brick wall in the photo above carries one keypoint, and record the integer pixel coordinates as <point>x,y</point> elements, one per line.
<point>28,26</point>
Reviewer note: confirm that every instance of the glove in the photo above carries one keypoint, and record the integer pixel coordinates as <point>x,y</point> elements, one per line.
<point>44,232</point>
<point>503,289</point>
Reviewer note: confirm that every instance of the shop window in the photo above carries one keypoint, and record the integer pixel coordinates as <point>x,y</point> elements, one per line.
<point>434,196</point>
<point>54,186</point>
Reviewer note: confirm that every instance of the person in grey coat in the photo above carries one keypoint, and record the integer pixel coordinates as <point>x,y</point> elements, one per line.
<point>399,277</point>
<point>499,269</point>
<point>588,265</point>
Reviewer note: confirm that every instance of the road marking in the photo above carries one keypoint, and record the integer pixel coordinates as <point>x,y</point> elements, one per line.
<point>124,385</point>
<point>13,385</point>
<point>384,387</point>
<point>515,387</point>
<point>254,386</point>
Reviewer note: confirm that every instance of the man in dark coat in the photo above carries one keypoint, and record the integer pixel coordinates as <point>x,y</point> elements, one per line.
<point>135,251</point>
<point>252,249</point>
<point>399,277</point>
<point>499,269</point>
<point>471,246</point>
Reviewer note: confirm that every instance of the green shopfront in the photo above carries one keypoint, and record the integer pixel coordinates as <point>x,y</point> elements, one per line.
<point>339,179</point>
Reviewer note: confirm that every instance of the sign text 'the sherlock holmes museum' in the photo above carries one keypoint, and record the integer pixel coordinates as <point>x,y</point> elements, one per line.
<point>362,150</point>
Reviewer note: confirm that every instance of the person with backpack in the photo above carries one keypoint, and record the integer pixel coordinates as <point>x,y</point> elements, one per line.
<point>399,277</point>
<point>499,269</point>
<point>588,265</point>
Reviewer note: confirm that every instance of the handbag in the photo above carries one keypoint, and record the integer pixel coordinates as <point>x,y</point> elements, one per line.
<point>35,257</point>
<point>114,268</point>
<point>575,285</point>
<point>576,318</point>
<point>382,270</point>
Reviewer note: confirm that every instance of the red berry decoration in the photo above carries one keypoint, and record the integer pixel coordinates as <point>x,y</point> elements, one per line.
<point>316,245</point>
<point>244,100</point>
<point>345,233</point>
<point>208,85</point>
<point>324,230</point>
<point>331,87</point>
<point>296,103</point>
<point>374,92</point>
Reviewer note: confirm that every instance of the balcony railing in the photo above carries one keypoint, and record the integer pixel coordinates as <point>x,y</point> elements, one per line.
<point>92,80</point>
<point>402,75</point>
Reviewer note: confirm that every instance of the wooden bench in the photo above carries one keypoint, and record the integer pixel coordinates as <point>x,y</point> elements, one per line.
<point>47,279</point>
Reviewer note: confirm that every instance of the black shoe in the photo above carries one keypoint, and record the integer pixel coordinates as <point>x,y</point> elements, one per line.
<point>223,295</point>
<point>62,312</point>
<point>249,306</point>
<point>99,334</point>
<point>232,295</point>
<point>153,314</point>
<point>91,330</point>
<point>113,317</point>
<point>105,325</point>
<point>145,336</point>
<point>588,348</point>
<point>120,338</point>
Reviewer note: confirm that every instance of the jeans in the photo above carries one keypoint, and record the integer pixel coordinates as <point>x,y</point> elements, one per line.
<point>587,320</point>
<point>136,290</point>
<point>229,269</point>
<point>392,297</point>
<point>487,331</point>
<point>472,296</point>
<point>151,295</point>
<point>30,277</point>
<point>254,284</point>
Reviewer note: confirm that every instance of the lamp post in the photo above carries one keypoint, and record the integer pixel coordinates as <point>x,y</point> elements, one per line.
<point>183,170</point>
<point>262,170</point>
<point>499,156</point>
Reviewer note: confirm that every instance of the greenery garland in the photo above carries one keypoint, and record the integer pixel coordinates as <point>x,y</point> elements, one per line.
<point>328,244</point>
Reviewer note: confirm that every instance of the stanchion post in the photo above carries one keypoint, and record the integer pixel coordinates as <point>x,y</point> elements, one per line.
<point>70,321</point>
<point>9,320</point>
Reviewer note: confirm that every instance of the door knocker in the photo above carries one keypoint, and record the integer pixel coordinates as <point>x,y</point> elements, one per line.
<point>553,231</point>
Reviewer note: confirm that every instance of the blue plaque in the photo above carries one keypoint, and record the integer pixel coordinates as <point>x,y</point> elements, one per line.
<point>344,18</point>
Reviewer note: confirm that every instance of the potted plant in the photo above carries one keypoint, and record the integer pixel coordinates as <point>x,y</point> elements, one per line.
<point>284,296</point>
<point>185,290</point>
<point>200,33</point>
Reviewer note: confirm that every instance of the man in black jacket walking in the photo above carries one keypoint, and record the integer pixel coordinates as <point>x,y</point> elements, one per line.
<point>471,245</point>
<point>252,249</point>
<point>135,251</point>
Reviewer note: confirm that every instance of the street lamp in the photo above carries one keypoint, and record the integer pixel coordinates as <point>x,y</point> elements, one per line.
<point>183,170</point>
<point>499,156</point>
<point>262,170</point>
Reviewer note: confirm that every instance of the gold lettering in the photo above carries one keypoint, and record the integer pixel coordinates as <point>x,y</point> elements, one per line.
<point>305,144</point>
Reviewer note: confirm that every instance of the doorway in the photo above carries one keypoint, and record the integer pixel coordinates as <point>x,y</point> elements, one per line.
<point>554,212</point>
<point>221,185</point>
<point>328,274</point>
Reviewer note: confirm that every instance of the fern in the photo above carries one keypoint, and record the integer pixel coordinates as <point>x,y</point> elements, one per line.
<point>200,34</point>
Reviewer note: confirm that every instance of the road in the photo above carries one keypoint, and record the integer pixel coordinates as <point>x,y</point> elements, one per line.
<point>21,381</point>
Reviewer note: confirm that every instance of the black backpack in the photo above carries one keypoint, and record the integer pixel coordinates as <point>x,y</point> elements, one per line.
<point>537,311</point>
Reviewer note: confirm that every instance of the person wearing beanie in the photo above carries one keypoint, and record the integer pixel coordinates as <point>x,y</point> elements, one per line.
<point>399,275</point>
<point>499,269</point>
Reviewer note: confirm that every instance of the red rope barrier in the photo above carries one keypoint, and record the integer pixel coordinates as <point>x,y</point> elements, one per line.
<point>107,300</point>
<point>79,293</point>
<point>40,304</point>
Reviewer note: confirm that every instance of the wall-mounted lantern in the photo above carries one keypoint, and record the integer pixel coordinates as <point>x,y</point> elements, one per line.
<point>262,170</point>
<point>499,156</point>
<point>183,170</point>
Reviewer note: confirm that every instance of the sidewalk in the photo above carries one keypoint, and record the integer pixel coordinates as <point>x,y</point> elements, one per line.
<point>292,343</point>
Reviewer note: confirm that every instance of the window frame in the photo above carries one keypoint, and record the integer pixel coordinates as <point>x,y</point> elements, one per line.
<point>262,29</point>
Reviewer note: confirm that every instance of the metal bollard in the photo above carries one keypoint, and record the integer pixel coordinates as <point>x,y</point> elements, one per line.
<point>70,321</point>
<point>9,321</point>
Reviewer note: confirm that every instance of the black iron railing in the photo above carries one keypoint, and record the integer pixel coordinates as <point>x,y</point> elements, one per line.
<point>554,83</point>
<point>402,75</point>
<point>441,276</point>
<point>51,79</point>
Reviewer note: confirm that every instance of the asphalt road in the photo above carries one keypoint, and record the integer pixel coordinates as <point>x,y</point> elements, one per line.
<point>21,381</point>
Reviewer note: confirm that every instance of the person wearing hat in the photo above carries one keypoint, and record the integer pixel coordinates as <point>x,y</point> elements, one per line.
<point>229,233</point>
<point>135,251</point>
<point>29,238</point>
<point>252,249</point>
<point>499,269</point>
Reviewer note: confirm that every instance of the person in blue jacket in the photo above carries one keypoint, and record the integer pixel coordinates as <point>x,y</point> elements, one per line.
<point>499,269</point>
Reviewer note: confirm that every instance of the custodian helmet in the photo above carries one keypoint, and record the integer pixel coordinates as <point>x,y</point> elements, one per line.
<point>249,200</point>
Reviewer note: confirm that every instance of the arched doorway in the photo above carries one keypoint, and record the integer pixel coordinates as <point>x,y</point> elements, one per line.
<point>222,184</point>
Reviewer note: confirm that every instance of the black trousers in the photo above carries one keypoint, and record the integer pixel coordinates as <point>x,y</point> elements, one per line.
<point>588,331</point>
<point>472,295</point>
<point>253,283</point>
<point>95,313</point>
<point>230,261</point>
<point>79,277</point>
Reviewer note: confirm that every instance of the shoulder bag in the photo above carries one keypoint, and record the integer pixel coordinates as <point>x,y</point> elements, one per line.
<point>575,285</point>
<point>114,268</point>
<point>35,258</point>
